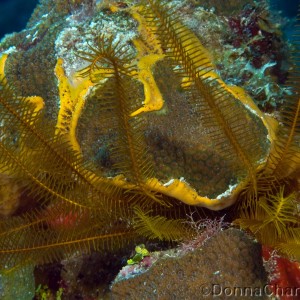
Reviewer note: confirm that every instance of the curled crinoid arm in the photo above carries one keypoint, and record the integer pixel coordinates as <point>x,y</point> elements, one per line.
<point>100,57</point>
<point>111,61</point>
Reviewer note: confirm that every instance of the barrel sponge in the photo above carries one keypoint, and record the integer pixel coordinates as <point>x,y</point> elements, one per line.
<point>229,260</point>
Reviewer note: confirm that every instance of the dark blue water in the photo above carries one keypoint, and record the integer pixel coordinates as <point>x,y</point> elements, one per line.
<point>288,7</point>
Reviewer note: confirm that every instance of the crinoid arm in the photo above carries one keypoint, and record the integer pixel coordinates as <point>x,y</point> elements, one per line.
<point>229,121</point>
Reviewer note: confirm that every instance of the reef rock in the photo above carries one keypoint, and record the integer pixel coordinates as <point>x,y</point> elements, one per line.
<point>228,266</point>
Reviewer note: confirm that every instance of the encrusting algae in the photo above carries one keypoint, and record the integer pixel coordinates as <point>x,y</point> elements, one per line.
<point>171,136</point>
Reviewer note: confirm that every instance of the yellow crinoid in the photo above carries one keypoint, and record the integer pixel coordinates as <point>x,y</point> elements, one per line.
<point>176,136</point>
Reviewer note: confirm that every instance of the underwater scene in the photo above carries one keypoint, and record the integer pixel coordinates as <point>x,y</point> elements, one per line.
<point>149,149</point>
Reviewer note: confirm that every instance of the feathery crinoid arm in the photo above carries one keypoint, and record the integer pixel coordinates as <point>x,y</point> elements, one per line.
<point>110,66</point>
<point>232,126</point>
<point>274,216</point>
<point>285,154</point>
<point>155,226</point>
<point>54,233</point>
<point>274,220</point>
<point>73,207</point>
<point>51,169</point>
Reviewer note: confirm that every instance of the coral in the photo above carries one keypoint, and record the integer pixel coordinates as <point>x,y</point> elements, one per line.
<point>283,275</point>
<point>230,8</point>
<point>258,43</point>
<point>33,51</point>
<point>200,143</point>
<point>193,164</point>
<point>183,277</point>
